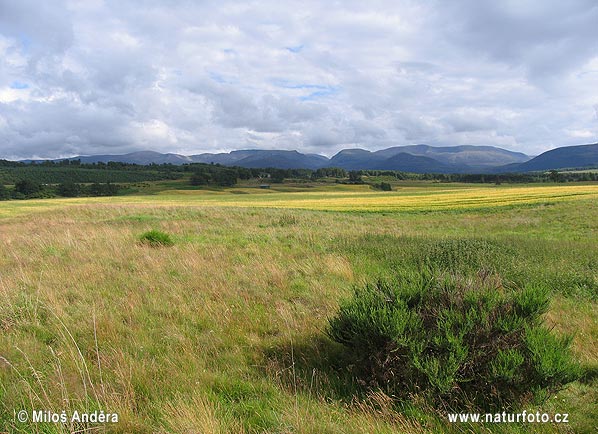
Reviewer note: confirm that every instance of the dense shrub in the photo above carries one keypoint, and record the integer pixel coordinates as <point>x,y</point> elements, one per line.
<point>156,238</point>
<point>455,341</point>
<point>384,186</point>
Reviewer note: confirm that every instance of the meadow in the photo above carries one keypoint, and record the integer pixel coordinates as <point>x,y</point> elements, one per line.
<point>224,330</point>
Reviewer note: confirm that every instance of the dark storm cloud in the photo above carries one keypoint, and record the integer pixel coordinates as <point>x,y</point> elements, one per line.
<point>181,76</point>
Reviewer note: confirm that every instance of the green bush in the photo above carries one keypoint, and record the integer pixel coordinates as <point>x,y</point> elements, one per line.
<point>384,186</point>
<point>156,238</point>
<point>456,341</point>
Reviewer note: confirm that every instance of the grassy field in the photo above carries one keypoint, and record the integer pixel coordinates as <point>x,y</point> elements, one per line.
<point>224,330</point>
<point>409,196</point>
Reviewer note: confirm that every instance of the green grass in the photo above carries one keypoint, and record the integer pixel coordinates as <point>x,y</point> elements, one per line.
<point>156,238</point>
<point>224,330</point>
<point>420,197</point>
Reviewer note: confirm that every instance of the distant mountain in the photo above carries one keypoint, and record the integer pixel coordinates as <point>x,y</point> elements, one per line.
<point>264,158</point>
<point>141,158</point>
<point>413,158</point>
<point>560,158</point>
<point>354,159</point>
<point>431,158</point>
<point>467,157</point>
<point>414,163</point>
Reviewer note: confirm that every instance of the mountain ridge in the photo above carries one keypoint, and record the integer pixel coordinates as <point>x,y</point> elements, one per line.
<point>411,158</point>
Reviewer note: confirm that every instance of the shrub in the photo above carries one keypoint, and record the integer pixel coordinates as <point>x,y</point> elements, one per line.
<point>455,341</point>
<point>384,186</point>
<point>156,238</point>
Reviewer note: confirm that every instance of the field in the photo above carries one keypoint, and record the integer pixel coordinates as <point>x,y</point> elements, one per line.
<point>407,197</point>
<point>224,330</point>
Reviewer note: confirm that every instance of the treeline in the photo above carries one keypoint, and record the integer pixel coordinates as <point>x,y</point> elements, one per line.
<point>111,165</point>
<point>227,176</point>
<point>56,175</point>
<point>215,174</point>
<point>549,176</point>
<point>26,189</point>
<point>74,172</point>
<point>207,174</point>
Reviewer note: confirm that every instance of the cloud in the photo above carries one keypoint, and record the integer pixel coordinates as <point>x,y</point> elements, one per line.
<point>177,76</point>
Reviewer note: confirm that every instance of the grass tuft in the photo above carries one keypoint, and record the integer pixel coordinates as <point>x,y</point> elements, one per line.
<point>156,238</point>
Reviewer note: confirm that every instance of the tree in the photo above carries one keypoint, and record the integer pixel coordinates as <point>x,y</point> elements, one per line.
<point>277,176</point>
<point>554,175</point>
<point>27,187</point>
<point>225,177</point>
<point>4,193</point>
<point>333,172</point>
<point>69,189</point>
<point>200,178</point>
<point>355,177</point>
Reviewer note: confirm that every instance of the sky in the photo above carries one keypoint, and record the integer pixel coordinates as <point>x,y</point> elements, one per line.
<point>108,77</point>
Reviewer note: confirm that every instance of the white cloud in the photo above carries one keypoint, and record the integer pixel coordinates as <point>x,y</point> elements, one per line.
<point>180,76</point>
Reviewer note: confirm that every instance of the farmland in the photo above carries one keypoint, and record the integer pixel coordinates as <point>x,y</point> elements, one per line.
<point>414,197</point>
<point>224,330</point>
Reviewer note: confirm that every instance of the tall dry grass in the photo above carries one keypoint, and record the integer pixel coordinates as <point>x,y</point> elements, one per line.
<point>184,338</point>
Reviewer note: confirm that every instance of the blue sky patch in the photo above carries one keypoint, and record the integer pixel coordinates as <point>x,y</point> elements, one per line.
<point>295,49</point>
<point>219,78</point>
<point>330,90</point>
<point>287,84</point>
<point>19,85</point>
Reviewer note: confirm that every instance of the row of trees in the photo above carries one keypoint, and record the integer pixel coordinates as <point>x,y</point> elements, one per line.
<point>57,175</point>
<point>550,176</point>
<point>71,172</point>
<point>220,175</point>
<point>228,176</point>
<point>27,189</point>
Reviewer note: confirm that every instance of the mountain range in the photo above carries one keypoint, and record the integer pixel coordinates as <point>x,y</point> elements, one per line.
<point>413,158</point>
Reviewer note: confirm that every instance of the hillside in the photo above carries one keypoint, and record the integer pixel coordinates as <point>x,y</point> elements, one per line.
<point>412,158</point>
<point>560,158</point>
<point>264,158</point>
<point>142,158</point>
<point>406,162</point>
<point>461,158</point>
